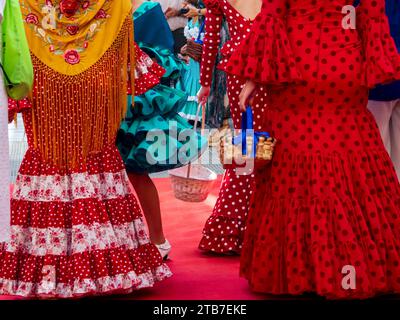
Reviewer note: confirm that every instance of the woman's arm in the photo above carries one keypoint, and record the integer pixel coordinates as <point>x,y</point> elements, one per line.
<point>212,39</point>
<point>136,4</point>
<point>382,60</point>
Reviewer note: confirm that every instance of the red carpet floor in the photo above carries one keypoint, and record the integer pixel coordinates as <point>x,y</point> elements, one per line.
<point>197,276</point>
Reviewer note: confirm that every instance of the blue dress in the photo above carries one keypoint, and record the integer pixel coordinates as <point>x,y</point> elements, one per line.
<point>190,81</point>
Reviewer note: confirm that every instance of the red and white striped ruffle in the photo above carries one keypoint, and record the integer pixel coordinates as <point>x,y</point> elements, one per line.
<point>49,287</point>
<point>77,233</point>
<point>67,188</point>
<point>78,239</point>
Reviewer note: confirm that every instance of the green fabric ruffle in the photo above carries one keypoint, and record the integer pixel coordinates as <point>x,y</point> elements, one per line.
<point>153,137</point>
<point>173,65</point>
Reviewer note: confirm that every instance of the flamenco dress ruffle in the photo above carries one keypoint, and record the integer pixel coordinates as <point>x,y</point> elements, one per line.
<point>382,63</point>
<point>173,66</point>
<point>330,198</point>
<point>273,42</point>
<point>76,233</point>
<point>154,137</point>
<point>223,231</point>
<point>155,115</point>
<point>15,107</point>
<point>76,229</point>
<point>190,83</point>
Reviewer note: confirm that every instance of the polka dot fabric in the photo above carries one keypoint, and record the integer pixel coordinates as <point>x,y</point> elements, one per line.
<point>382,63</point>
<point>223,231</point>
<point>331,197</point>
<point>15,107</point>
<point>79,231</point>
<point>147,72</point>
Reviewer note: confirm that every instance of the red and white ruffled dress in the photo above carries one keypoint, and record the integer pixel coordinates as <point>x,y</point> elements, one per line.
<point>329,204</point>
<point>224,230</point>
<point>79,232</point>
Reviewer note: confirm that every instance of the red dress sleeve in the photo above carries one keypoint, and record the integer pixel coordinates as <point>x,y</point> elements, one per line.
<point>212,39</point>
<point>15,107</point>
<point>382,60</point>
<point>265,56</point>
<point>147,72</point>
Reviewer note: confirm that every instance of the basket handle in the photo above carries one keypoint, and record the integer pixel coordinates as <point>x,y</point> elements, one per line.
<point>203,124</point>
<point>201,31</point>
<point>247,123</point>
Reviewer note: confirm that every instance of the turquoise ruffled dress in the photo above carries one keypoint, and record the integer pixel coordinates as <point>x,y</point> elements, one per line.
<point>154,137</point>
<point>174,67</point>
<point>190,81</point>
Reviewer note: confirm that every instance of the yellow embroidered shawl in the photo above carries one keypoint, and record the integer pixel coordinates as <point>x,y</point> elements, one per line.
<point>81,63</point>
<point>71,45</point>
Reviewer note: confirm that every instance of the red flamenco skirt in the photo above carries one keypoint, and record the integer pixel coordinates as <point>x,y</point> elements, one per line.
<point>77,233</point>
<point>329,203</point>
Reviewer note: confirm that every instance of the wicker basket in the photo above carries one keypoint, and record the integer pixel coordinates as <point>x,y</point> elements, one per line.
<point>194,182</point>
<point>194,188</point>
<point>231,156</point>
<point>194,50</point>
<point>235,152</point>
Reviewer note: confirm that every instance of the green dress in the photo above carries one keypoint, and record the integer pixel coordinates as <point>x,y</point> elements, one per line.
<point>154,137</point>
<point>190,81</point>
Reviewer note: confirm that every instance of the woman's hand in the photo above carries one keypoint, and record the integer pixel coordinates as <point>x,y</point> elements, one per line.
<point>203,95</point>
<point>184,50</point>
<point>245,97</point>
<point>193,12</point>
<point>171,12</point>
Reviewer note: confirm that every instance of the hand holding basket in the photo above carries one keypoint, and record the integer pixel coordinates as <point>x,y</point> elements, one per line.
<point>249,145</point>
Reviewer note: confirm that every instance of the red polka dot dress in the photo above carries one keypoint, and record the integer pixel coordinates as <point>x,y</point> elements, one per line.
<point>15,107</point>
<point>223,231</point>
<point>78,231</point>
<point>330,200</point>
